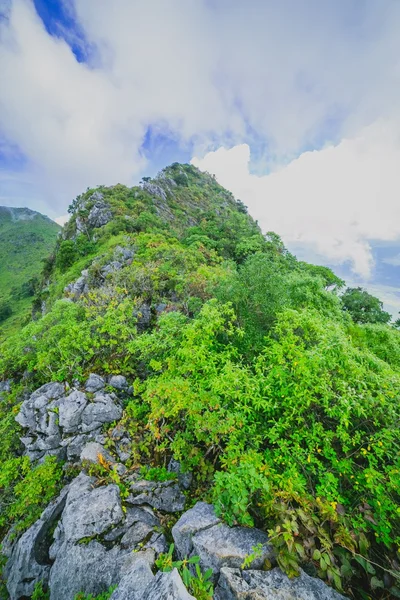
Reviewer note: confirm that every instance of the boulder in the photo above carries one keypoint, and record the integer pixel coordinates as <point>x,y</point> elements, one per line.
<point>94,383</point>
<point>234,584</point>
<point>92,451</point>
<point>134,515</point>
<point>136,576</point>
<point>29,560</point>
<point>33,414</point>
<point>201,516</point>
<point>88,568</point>
<point>90,511</point>
<point>167,586</point>
<point>76,444</point>
<point>70,411</point>
<point>61,425</point>
<point>102,410</point>
<point>118,382</point>
<point>165,496</point>
<point>222,546</point>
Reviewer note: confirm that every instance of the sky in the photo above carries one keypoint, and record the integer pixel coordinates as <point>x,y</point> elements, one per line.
<point>293,105</point>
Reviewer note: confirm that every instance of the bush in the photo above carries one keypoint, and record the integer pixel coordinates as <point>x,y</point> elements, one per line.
<point>66,255</point>
<point>5,311</point>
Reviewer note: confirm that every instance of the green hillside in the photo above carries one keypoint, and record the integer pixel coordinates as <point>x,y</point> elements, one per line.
<point>26,238</point>
<point>245,365</point>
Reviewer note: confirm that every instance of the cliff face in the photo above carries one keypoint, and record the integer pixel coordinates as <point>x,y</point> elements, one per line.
<point>26,238</point>
<point>185,379</point>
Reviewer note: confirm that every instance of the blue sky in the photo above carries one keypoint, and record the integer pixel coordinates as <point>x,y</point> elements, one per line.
<point>294,105</point>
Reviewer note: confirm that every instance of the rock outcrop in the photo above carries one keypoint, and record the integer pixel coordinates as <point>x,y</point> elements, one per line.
<point>60,421</point>
<point>234,584</point>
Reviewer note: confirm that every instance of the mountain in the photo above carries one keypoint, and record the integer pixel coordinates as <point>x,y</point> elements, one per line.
<point>26,238</point>
<point>184,377</point>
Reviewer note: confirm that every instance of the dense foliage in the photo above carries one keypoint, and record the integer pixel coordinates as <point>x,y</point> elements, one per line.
<point>249,368</point>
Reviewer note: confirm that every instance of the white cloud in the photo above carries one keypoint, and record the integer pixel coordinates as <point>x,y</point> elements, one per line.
<point>62,220</point>
<point>333,201</point>
<point>208,72</point>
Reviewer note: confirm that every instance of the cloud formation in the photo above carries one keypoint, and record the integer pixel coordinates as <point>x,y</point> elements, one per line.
<point>333,201</point>
<point>311,86</point>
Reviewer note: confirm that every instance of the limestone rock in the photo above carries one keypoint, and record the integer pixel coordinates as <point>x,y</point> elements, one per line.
<point>100,213</point>
<point>102,410</point>
<point>91,452</point>
<point>154,190</point>
<point>165,496</point>
<point>94,383</point>
<point>136,576</point>
<point>90,511</point>
<point>70,411</point>
<point>184,479</point>
<point>234,584</point>
<point>88,568</point>
<point>31,414</point>
<point>222,546</point>
<point>118,382</point>
<point>167,586</point>
<point>29,561</point>
<point>198,518</point>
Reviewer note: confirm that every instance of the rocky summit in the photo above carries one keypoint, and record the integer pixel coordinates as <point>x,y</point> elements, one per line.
<point>191,412</point>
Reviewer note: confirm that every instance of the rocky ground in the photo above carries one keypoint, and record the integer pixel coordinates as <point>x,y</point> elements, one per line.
<point>93,536</point>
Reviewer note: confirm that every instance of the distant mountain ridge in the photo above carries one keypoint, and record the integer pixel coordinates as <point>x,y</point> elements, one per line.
<point>26,238</point>
<point>20,214</point>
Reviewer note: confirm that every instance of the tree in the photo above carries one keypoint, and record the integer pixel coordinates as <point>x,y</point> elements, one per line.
<point>363,307</point>
<point>5,311</point>
<point>66,255</point>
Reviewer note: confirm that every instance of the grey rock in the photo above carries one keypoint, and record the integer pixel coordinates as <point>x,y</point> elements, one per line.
<point>123,253</point>
<point>111,267</point>
<point>29,561</point>
<point>89,511</point>
<point>136,576</point>
<point>78,287</point>
<point>118,382</point>
<point>184,479</point>
<point>223,546</point>
<point>234,584</point>
<point>136,534</point>
<point>198,518</point>
<point>165,496</point>
<point>75,444</point>
<point>91,452</point>
<point>94,383</point>
<point>70,411</point>
<point>143,315</point>
<point>122,441</point>
<point>167,586</point>
<point>154,190</point>
<point>32,414</point>
<point>102,410</point>
<point>160,308</point>
<point>158,543</point>
<point>133,516</point>
<point>5,387</point>
<point>100,213</point>
<point>87,568</point>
